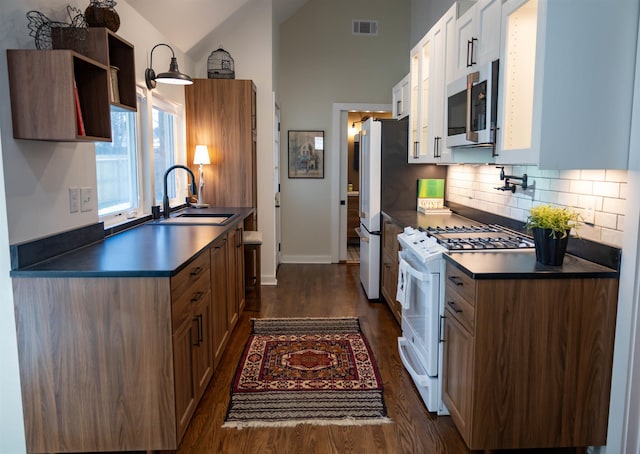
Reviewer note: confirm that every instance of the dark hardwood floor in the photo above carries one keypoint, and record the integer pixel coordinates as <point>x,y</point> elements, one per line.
<point>326,291</point>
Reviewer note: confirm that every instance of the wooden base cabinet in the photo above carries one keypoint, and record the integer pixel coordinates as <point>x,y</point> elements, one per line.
<point>120,364</point>
<point>527,362</point>
<point>389,269</point>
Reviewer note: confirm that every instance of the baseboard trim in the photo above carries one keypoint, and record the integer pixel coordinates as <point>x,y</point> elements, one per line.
<point>319,259</point>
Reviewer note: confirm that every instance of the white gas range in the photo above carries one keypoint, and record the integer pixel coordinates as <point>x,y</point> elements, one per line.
<point>421,275</point>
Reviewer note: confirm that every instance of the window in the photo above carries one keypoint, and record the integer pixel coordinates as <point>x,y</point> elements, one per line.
<point>117,166</point>
<point>164,117</point>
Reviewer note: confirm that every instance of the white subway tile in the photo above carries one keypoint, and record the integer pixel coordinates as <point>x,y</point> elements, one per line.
<point>559,185</point>
<point>525,204</point>
<point>567,199</point>
<point>586,201</point>
<point>570,174</point>
<point>606,220</point>
<point>610,205</point>
<point>581,187</point>
<point>620,225</point>
<point>607,189</point>
<point>623,191</point>
<point>589,232</point>
<point>541,183</point>
<point>593,175</point>
<point>616,175</point>
<point>611,237</point>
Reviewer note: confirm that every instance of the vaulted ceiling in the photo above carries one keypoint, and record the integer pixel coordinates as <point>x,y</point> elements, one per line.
<point>187,22</point>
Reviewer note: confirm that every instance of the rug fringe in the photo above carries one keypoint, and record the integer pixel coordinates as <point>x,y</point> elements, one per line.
<point>316,422</point>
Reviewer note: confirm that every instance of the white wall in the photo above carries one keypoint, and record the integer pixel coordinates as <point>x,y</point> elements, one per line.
<point>322,63</point>
<point>11,423</point>
<point>603,190</point>
<point>425,13</point>
<point>38,174</point>
<point>36,177</point>
<point>248,36</point>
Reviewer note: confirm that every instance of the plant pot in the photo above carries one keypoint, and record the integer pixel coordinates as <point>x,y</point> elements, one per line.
<point>549,250</point>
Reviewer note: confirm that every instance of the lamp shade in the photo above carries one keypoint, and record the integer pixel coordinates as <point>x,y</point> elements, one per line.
<point>172,76</point>
<point>202,155</point>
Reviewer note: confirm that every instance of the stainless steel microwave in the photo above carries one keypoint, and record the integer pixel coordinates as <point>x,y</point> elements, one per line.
<point>472,108</point>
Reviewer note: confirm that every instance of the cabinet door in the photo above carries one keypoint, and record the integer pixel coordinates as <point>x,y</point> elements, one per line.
<point>457,384</point>
<point>465,39</point>
<point>221,114</point>
<point>185,390</point>
<point>239,263</point>
<point>235,279</point>
<point>477,36</point>
<point>400,98</point>
<point>415,89</point>
<point>219,298</point>
<point>202,344</point>
<point>487,29</point>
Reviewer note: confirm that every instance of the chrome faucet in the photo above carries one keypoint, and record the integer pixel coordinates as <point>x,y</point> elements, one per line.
<point>165,200</point>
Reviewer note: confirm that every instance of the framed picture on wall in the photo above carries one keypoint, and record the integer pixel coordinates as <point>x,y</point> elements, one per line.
<point>306,154</point>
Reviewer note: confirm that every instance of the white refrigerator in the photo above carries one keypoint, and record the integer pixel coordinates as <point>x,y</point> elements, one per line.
<point>369,231</point>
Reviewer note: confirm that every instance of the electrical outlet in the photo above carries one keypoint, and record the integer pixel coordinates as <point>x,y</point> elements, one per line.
<point>86,199</point>
<point>589,216</point>
<point>74,200</point>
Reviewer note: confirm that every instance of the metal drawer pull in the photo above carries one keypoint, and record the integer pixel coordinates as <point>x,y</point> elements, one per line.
<point>197,297</point>
<point>456,280</point>
<point>197,270</point>
<point>454,307</point>
<point>198,319</point>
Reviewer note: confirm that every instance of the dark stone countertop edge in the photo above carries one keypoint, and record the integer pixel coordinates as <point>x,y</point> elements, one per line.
<point>609,266</point>
<point>80,240</point>
<point>550,273</point>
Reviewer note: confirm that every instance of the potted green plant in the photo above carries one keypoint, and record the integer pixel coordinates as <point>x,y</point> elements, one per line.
<point>550,227</point>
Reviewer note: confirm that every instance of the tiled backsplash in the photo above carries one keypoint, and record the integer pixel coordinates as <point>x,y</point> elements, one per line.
<point>603,191</point>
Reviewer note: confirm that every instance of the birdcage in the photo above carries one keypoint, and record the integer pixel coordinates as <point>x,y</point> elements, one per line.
<point>220,65</point>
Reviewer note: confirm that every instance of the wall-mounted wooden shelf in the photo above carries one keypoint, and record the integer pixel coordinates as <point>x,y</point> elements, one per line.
<point>104,46</point>
<point>43,101</point>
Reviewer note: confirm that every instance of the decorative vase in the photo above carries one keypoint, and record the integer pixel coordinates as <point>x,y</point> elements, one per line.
<point>549,250</point>
<point>100,16</point>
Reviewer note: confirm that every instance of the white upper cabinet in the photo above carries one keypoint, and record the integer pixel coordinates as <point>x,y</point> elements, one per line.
<point>566,83</point>
<point>401,95</point>
<point>477,36</point>
<point>428,94</point>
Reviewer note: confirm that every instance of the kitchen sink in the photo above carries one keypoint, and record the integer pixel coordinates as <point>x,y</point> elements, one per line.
<point>198,219</point>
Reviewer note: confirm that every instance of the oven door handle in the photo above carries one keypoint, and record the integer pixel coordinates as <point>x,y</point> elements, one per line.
<point>472,78</point>
<point>413,271</point>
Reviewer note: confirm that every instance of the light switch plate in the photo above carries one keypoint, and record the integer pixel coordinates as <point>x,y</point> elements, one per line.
<point>74,200</point>
<point>86,199</point>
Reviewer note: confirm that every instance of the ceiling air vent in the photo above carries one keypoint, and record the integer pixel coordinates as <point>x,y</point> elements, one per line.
<point>364,27</point>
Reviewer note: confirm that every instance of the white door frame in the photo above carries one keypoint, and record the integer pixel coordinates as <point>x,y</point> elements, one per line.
<point>339,141</point>
<point>276,178</point>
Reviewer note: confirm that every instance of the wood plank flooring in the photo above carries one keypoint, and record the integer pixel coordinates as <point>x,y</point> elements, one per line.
<point>326,291</point>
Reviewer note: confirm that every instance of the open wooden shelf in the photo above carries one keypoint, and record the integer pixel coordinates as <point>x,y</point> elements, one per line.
<point>104,46</point>
<point>43,103</point>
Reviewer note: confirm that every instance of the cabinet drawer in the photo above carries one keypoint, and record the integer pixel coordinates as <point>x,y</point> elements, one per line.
<point>194,272</point>
<point>182,308</point>
<point>463,284</point>
<point>461,309</point>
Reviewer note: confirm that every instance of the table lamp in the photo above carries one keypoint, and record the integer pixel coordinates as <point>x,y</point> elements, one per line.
<point>201,157</point>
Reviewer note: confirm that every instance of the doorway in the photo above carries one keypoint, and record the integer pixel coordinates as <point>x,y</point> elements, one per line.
<point>340,184</point>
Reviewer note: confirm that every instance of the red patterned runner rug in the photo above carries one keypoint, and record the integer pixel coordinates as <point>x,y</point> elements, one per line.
<point>306,371</point>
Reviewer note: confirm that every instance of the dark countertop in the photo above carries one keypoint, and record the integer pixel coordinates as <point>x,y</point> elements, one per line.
<point>152,249</point>
<point>522,264</point>
<point>505,264</point>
